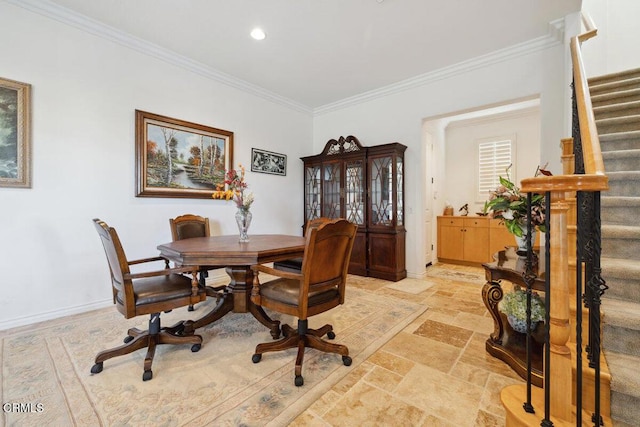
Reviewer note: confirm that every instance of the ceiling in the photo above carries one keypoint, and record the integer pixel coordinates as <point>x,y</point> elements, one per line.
<point>318,52</point>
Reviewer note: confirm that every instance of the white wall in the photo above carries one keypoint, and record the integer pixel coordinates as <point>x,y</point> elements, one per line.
<point>84,93</point>
<point>399,117</point>
<point>615,48</point>
<point>461,153</point>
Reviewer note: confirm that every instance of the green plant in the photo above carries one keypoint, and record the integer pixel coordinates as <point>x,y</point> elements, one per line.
<point>515,304</point>
<point>508,204</point>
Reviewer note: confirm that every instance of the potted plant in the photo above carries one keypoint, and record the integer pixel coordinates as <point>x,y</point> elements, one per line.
<point>510,206</point>
<point>514,306</point>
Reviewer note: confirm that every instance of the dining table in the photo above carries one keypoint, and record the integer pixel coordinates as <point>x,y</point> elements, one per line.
<point>238,257</point>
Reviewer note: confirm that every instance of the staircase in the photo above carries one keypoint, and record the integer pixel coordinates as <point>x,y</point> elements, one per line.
<point>616,105</point>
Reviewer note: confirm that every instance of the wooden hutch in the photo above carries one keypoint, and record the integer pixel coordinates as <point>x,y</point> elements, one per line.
<point>365,185</point>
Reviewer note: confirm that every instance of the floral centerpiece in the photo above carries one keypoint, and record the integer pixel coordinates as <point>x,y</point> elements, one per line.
<point>508,204</point>
<point>514,305</point>
<point>236,186</point>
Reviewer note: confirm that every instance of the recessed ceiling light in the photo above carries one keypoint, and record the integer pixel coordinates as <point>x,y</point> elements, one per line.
<point>258,34</point>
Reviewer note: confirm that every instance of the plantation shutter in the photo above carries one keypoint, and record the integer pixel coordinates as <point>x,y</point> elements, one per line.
<point>494,157</point>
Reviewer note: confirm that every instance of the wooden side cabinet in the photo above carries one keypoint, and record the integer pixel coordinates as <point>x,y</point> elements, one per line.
<point>472,239</point>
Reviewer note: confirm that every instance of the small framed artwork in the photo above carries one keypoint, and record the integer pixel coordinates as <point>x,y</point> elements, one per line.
<point>268,162</point>
<point>15,136</point>
<point>175,158</point>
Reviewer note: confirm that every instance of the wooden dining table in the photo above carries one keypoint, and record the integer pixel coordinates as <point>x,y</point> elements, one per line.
<point>238,257</point>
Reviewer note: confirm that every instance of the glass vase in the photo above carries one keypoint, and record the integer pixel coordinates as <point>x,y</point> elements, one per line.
<point>243,219</point>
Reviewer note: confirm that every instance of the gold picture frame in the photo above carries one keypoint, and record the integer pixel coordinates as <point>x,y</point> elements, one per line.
<point>176,158</point>
<point>15,134</point>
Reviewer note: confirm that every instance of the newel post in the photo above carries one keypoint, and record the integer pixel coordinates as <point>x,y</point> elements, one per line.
<point>560,366</point>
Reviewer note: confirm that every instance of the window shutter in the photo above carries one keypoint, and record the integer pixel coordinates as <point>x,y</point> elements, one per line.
<point>494,157</point>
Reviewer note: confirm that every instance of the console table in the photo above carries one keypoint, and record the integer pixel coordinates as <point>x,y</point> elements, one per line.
<point>505,343</point>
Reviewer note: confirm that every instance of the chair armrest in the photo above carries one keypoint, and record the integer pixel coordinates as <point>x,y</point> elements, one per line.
<point>274,272</point>
<point>143,260</point>
<point>164,272</point>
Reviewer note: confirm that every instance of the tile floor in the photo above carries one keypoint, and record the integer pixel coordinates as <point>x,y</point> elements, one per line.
<point>435,372</point>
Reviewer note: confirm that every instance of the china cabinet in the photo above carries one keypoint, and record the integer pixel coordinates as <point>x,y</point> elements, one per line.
<point>365,185</point>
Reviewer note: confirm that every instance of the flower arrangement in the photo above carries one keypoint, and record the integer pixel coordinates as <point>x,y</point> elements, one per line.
<point>515,304</point>
<point>235,190</point>
<point>508,204</point>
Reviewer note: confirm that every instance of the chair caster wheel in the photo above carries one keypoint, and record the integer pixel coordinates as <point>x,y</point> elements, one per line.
<point>127,339</point>
<point>147,375</point>
<point>256,358</point>
<point>298,381</point>
<point>346,360</point>
<point>331,335</point>
<point>190,308</point>
<point>196,348</point>
<point>97,368</point>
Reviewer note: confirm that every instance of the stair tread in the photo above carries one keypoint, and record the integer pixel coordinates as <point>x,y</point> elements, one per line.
<point>621,154</point>
<point>619,75</point>
<point>621,313</point>
<point>617,120</point>
<point>619,135</point>
<point>620,231</point>
<point>613,107</point>
<point>611,95</point>
<point>620,201</point>
<point>625,265</point>
<point>624,369</point>
<point>613,176</point>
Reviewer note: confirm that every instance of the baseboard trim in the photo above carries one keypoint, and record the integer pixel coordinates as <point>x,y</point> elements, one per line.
<point>55,314</point>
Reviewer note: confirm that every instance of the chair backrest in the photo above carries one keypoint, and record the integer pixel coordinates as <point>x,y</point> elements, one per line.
<point>187,226</point>
<point>326,258</point>
<point>122,288</point>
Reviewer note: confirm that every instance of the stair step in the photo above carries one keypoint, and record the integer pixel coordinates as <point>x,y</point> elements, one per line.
<point>623,278</point>
<point>625,400</point>
<point>621,241</point>
<point>621,327</point>
<point>606,78</point>
<point>618,124</point>
<point>626,184</point>
<point>620,210</point>
<point>614,86</point>
<point>615,97</point>
<point>617,110</point>
<point>622,160</point>
<point>620,141</point>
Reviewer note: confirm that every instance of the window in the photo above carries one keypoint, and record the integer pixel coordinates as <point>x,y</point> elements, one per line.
<point>494,157</point>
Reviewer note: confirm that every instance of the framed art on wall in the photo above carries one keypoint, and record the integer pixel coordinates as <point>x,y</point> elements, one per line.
<point>15,142</point>
<point>268,162</point>
<point>175,158</point>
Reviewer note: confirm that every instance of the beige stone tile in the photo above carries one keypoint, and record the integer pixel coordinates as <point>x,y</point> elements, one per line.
<point>485,419</point>
<point>442,332</point>
<point>448,398</point>
<point>490,401</point>
<point>365,405</point>
<point>383,379</point>
<point>423,350</point>
<point>325,402</point>
<point>306,419</point>
<point>474,322</point>
<point>389,361</point>
<point>433,421</point>
<point>470,373</point>
<point>345,384</point>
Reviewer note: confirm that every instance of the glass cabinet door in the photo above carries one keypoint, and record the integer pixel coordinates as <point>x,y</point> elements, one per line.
<point>354,191</point>
<point>382,191</point>
<point>312,194</point>
<point>399,186</point>
<point>331,190</point>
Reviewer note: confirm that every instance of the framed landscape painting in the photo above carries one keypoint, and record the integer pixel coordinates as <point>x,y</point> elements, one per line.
<point>268,162</point>
<point>175,158</point>
<point>15,142</point>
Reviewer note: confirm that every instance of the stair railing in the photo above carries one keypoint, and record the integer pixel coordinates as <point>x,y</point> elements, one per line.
<point>585,178</point>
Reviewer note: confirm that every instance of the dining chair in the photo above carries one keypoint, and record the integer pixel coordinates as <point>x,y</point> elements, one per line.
<point>187,226</point>
<point>318,287</point>
<point>150,292</point>
<point>294,265</point>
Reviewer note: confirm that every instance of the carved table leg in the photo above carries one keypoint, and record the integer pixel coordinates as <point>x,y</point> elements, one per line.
<point>491,296</point>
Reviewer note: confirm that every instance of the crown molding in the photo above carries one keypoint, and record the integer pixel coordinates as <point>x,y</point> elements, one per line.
<point>555,36</point>
<point>89,25</point>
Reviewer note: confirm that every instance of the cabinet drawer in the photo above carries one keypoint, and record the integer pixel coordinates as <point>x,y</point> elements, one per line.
<point>450,221</point>
<point>496,223</point>
<point>475,222</point>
